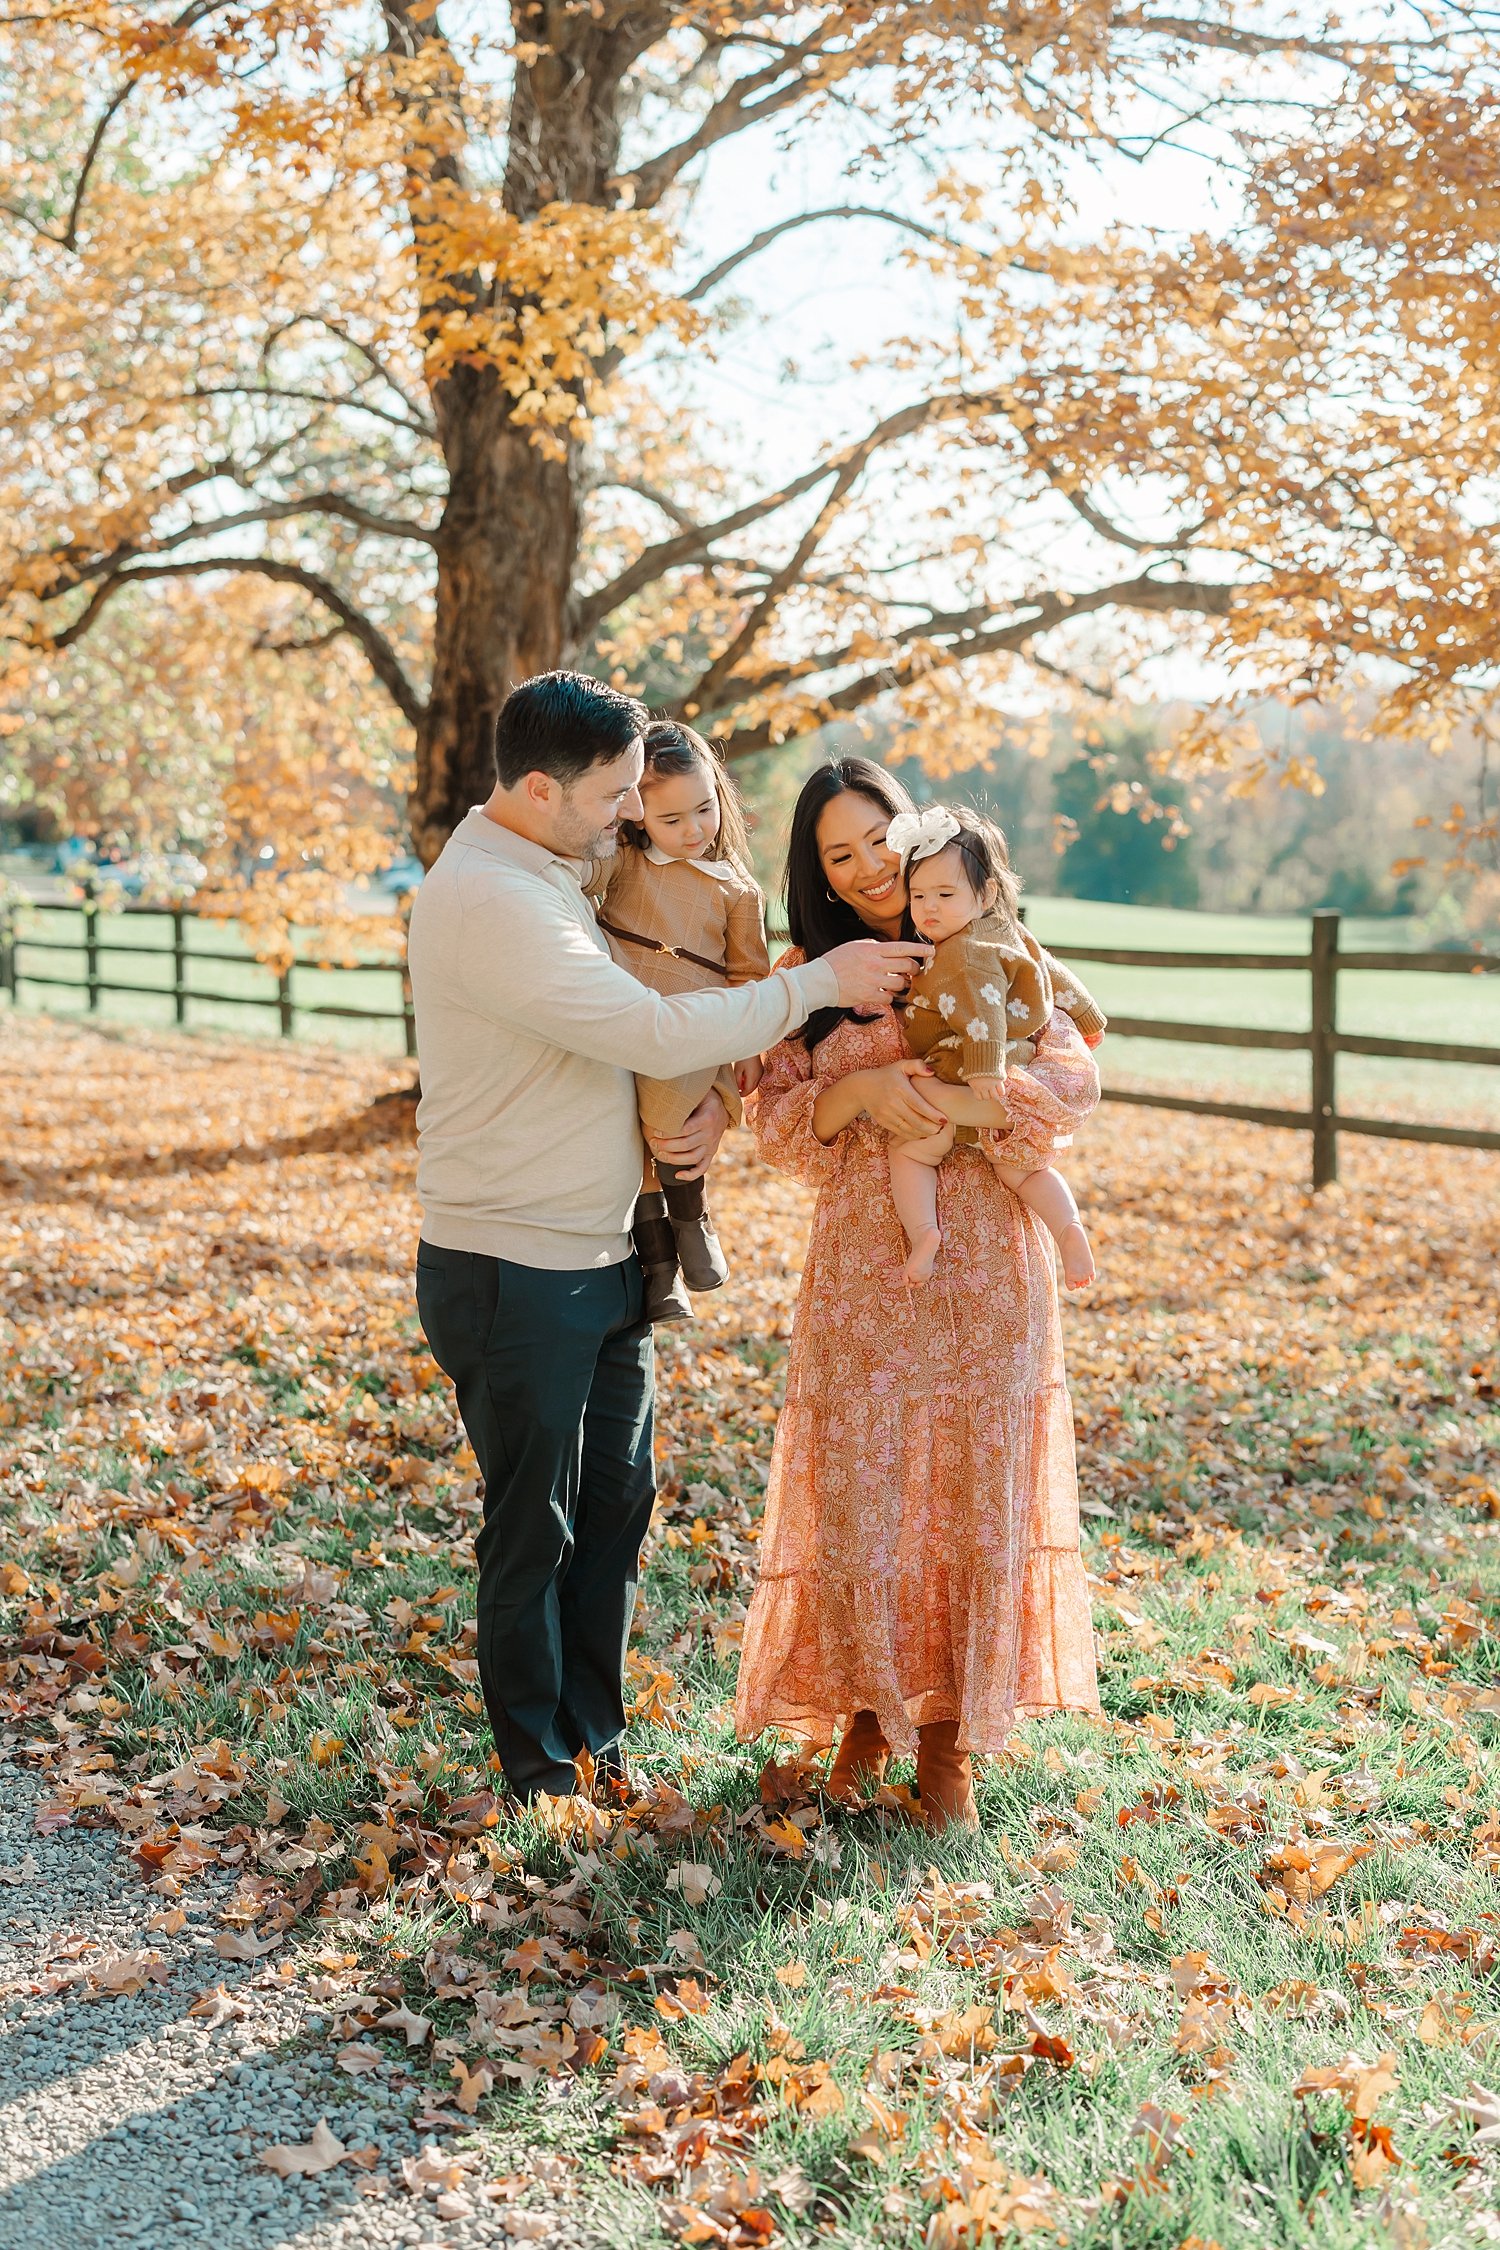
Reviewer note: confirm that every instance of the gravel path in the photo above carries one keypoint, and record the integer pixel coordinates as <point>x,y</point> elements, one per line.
<point>127,2118</point>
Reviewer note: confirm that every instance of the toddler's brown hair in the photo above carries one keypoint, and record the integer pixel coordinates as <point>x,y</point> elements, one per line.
<point>673,749</point>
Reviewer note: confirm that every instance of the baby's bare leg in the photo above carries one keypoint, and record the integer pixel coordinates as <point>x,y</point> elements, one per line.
<point>914,1192</point>
<point>1048,1194</point>
<point>960,1106</point>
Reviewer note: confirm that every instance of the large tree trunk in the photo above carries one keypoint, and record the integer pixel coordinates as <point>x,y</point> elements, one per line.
<point>508,546</point>
<point>506,552</point>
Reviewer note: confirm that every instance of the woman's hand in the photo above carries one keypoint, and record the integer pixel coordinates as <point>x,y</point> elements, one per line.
<point>748,1074</point>
<point>693,1149</point>
<point>871,973</point>
<point>891,1099</point>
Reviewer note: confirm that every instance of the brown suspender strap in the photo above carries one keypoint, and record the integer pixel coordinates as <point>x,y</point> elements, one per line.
<point>654,945</point>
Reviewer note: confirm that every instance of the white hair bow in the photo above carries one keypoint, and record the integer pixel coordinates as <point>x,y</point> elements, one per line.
<point>917,835</point>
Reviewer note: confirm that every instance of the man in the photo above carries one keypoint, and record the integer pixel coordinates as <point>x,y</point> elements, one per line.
<point>529,1163</point>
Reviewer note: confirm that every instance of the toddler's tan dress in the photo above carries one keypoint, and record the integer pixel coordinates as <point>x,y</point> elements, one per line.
<point>683,925</point>
<point>920,1554</point>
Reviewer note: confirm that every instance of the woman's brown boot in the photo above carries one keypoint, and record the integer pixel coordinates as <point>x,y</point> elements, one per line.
<point>860,1763</point>
<point>945,1779</point>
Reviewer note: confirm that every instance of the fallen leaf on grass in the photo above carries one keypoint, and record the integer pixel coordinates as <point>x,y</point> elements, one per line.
<point>696,1882</point>
<point>792,1974</point>
<point>414,2029</point>
<point>473,2085</point>
<point>688,1998</point>
<point>1479,2108</point>
<point>233,1945</point>
<point>1361,2086</point>
<point>319,2154</point>
<point>1300,1873</point>
<point>886,2128</point>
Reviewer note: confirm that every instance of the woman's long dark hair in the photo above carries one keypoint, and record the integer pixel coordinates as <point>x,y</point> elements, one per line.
<point>816,920</point>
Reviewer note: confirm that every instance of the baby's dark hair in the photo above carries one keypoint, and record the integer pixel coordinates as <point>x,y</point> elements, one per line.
<point>986,857</point>
<point>673,749</point>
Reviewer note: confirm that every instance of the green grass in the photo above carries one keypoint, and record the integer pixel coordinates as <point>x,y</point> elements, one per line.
<point>1289,1447</point>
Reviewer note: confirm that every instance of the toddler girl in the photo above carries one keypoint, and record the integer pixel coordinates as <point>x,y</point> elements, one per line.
<point>681,911</point>
<point>973,1013</point>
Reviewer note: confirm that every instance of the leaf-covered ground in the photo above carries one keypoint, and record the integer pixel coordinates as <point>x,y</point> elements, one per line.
<point>1223,1966</point>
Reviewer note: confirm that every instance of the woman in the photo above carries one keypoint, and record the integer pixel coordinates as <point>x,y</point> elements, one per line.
<point>920,1576</point>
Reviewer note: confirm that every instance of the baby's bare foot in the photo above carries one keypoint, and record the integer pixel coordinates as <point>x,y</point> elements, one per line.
<point>1077,1257</point>
<point>924,1250</point>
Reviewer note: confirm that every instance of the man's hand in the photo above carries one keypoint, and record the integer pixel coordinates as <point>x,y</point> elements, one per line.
<point>988,1089</point>
<point>871,972</point>
<point>692,1150</point>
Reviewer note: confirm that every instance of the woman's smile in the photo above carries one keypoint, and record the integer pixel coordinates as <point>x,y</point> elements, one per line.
<point>875,892</point>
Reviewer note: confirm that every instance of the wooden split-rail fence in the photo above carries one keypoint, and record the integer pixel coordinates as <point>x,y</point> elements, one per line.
<point>1323,1042</point>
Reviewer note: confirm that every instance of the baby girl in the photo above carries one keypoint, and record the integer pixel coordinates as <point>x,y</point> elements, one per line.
<point>973,1013</point>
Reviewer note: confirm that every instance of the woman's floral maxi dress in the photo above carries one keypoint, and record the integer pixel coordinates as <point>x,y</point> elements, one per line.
<point>920,1554</point>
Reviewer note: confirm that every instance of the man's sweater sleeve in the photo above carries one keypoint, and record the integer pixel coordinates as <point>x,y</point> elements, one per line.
<point>529,962</point>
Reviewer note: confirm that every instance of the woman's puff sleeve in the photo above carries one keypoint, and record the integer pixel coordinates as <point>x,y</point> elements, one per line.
<point>780,1115</point>
<point>1050,1096</point>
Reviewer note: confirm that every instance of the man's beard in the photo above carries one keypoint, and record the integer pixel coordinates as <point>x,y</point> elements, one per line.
<point>577,842</point>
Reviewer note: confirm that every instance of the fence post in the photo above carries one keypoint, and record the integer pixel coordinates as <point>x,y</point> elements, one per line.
<point>8,952</point>
<point>91,942</point>
<point>179,963</point>
<point>408,1012</point>
<point>1325,1009</point>
<point>284,1002</point>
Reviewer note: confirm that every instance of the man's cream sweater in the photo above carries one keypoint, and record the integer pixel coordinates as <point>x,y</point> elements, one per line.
<point>528,1033</point>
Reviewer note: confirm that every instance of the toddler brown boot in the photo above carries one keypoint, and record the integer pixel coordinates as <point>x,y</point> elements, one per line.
<point>698,1252</point>
<point>945,1779</point>
<point>656,1247</point>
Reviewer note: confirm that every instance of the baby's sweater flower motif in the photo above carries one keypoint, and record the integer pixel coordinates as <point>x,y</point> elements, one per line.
<point>994,964</point>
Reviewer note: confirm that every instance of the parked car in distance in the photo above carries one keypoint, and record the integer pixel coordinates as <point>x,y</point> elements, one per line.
<point>403,876</point>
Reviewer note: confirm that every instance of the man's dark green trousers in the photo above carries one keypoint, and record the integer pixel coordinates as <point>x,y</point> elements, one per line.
<point>554,1376</point>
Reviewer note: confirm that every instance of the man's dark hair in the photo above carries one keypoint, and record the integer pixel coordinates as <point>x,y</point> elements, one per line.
<point>562,723</point>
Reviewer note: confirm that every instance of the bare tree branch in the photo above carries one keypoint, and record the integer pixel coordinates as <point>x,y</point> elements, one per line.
<point>971,637</point>
<point>789,574</point>
<point>384,662</point>
<point>311,398</point>
<point>271,511</point>
<point>768,235</point>
<point>735,110</point>
<point>68,239</point>
<point>693,544</point>
<point>372,359</point>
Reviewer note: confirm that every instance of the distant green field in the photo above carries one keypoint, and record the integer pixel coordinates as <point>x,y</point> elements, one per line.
<point>1393,1003</point>
<point>1381,1003</point>
<point>149,974</point>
